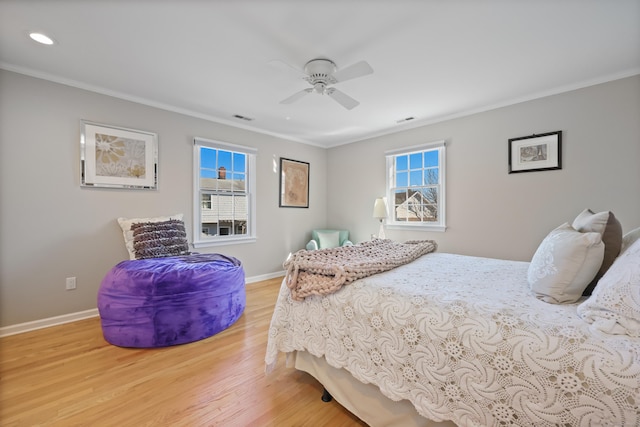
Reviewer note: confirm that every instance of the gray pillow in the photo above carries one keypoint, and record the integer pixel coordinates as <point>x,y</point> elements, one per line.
<point>159,239</point>
<point>125,224</point>
<point>610,229</point>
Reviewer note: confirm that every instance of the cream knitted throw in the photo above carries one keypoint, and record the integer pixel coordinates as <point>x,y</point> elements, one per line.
<point>324,271</point>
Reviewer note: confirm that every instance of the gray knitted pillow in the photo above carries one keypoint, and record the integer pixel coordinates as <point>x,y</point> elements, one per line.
<point>159,239</point>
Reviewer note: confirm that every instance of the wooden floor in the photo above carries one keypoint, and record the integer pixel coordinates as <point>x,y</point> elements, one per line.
<point>68,375</point>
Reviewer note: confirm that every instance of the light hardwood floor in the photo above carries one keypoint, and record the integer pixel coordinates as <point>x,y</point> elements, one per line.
<point>68,375</point>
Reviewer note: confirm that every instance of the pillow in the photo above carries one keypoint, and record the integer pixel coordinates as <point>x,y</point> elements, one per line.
<point>610,229</point>
<point>614,307</point>
<point>159,239</point>
<point>312,245</point>
<point>329,239</point>
<point>564,264</point>
<point>125,224</point>
<point>629,238</point>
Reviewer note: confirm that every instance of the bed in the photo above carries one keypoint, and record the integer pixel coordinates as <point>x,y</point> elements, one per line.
<point>450,339</point>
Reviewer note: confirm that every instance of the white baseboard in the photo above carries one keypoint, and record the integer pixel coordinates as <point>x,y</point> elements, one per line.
<point>264,277</point>
<point>45,323</point>
<point>72,317</point>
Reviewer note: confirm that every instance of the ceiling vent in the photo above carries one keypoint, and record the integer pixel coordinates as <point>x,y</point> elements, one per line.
<point>406,119</point>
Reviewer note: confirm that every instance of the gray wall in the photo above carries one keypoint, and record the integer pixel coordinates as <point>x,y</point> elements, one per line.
<point>490,212</point>
<point>51,228</point>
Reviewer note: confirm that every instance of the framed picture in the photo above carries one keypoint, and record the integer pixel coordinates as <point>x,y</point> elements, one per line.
<point>294,184</point>
<point>536,152</point>
<point>116,157</point>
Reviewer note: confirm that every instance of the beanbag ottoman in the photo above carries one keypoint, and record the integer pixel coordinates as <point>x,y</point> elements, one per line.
<point>158,302</point>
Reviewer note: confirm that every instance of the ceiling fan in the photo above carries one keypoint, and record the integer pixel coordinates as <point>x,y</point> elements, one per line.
<point>322,74</point>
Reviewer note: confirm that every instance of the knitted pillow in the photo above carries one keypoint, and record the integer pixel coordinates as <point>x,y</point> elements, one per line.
<point>125,224</point>
<point>159,239</point>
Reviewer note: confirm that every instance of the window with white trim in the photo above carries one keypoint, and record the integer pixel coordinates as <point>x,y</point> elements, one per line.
<point>224,193</point>
<point>416,187</point>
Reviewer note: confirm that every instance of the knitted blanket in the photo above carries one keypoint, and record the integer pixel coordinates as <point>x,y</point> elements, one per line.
<point>324,271</point>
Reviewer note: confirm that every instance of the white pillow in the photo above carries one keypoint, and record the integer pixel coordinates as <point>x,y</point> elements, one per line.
<point>564,264</point>
<point>329,239</point>
<point>125,224</point>
<point>629,238</point>
<point>614,306</point>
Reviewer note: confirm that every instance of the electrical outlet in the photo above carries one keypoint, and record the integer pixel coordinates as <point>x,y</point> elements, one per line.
<point>71,283</point>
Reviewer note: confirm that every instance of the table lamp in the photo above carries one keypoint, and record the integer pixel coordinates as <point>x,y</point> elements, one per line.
<point>380,213</point>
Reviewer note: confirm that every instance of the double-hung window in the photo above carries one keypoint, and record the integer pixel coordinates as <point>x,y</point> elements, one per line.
<point>415,187</point>
<point>224,193</point>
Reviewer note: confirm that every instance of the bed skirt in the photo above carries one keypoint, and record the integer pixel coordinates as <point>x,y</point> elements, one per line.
<point>363,400</point>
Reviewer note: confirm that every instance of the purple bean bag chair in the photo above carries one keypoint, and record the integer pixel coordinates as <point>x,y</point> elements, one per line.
<point>159,302</point>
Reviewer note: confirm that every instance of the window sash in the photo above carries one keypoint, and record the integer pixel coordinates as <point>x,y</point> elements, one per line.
<point>416,187</point>
<point>227,223</point>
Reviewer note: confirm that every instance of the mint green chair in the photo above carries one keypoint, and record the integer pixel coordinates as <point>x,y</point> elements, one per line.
<point>324,238</point>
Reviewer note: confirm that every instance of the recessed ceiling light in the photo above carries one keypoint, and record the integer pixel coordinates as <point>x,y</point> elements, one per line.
<point>41,38</point>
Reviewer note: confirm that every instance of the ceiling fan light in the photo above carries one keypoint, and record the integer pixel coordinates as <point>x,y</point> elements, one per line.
<point>41,38</point>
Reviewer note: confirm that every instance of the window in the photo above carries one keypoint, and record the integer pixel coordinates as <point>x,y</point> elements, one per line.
<point>415,187</point>
<point>224,193</point>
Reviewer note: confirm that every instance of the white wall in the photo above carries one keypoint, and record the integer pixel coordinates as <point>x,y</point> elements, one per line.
<point>51,228</point>
<point>490,212</point>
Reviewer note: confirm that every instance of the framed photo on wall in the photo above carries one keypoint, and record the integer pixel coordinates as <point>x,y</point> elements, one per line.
<point>294,184</point>
<point>535,152</point>
<point>116,157</point>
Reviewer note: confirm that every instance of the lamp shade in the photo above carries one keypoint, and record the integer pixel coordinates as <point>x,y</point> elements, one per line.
<point>380,208</point>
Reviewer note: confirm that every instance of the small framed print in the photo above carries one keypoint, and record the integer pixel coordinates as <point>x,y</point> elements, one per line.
<point>117,157</point>
<point>536,152</point>
<point>294,184</point>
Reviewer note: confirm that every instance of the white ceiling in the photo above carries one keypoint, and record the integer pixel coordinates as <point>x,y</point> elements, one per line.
<point>432,59</point>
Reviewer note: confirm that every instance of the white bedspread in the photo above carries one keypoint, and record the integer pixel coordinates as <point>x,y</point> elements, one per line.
<point>464,339</point>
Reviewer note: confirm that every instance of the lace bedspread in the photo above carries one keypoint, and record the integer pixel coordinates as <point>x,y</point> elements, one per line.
<point>464,339</point>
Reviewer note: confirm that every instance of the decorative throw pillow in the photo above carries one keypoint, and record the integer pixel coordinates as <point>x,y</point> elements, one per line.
<point>159,239</point>
<point>614,307</point>
<point>629,238</point>
<point>329,239</point>
<point>610,229</point>
<point>564,264</point>
<point>125,224</point>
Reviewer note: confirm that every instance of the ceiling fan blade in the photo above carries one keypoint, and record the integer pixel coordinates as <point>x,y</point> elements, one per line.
<point>342,98</point>
<point>293,98</point>
<point>358,69</point>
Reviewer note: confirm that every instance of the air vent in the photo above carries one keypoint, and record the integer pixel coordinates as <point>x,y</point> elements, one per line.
<point>406,119</point>
<point>239,117</point>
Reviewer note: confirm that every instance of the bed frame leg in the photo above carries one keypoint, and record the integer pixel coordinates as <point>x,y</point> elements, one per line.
<point>326,396</point>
